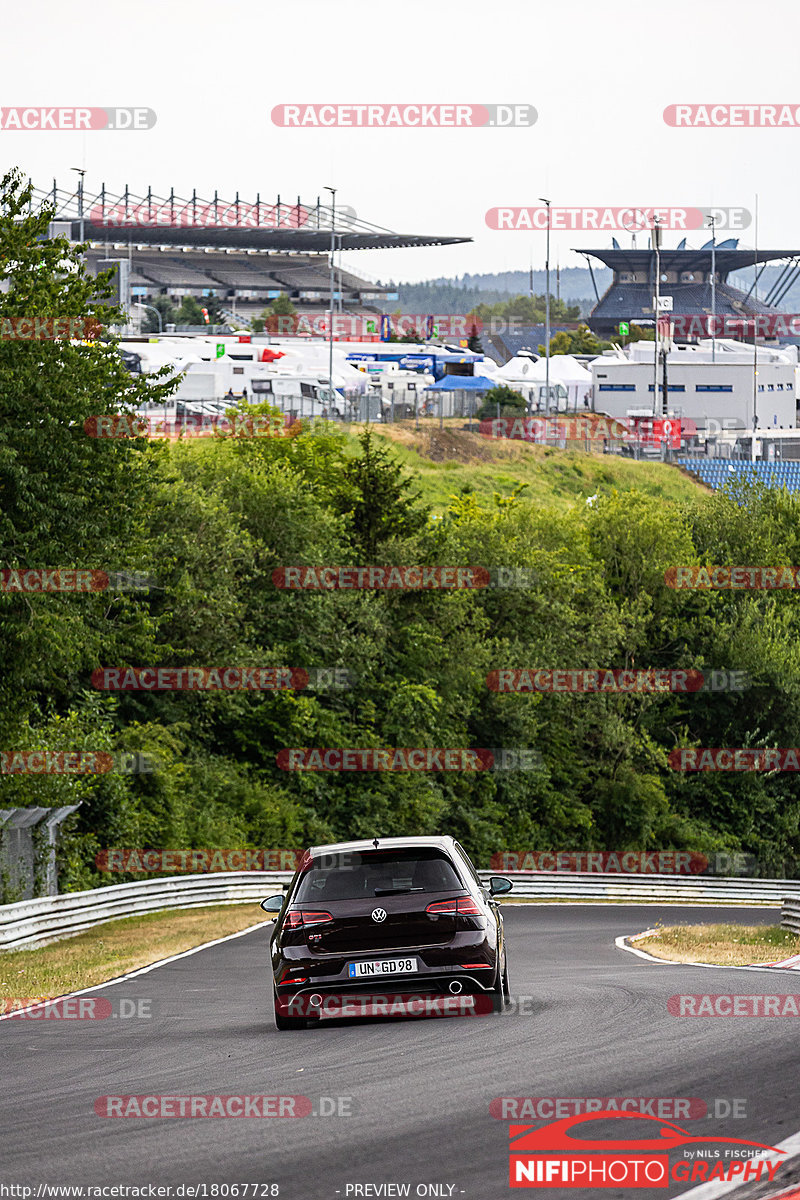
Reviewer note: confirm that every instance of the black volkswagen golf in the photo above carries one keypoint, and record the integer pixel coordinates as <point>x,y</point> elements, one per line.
<point>394,915</point>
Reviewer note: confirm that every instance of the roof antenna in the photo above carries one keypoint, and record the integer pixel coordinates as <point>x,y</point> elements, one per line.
<point>375,843</point>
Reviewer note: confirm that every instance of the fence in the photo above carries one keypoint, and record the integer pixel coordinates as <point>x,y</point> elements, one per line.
<point>28,849</point>
<point>32,922</point>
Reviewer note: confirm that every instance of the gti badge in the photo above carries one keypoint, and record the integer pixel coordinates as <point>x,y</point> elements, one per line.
<point>378,914</point>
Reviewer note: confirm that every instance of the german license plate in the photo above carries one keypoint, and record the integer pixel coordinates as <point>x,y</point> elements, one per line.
<point>381,966</point>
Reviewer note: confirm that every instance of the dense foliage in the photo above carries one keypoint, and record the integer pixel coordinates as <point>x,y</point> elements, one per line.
<point>210,521</point>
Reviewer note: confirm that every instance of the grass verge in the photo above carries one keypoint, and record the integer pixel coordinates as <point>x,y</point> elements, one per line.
<point>722,945</point>
<point>117,947</point>
<point>452,461</point>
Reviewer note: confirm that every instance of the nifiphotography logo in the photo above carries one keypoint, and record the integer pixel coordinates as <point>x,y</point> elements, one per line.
<point>550,1157</point>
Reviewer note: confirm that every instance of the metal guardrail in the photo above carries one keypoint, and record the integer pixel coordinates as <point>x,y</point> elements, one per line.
<point>790,913</point>
<point>32,922</point>
<point>645,889</point>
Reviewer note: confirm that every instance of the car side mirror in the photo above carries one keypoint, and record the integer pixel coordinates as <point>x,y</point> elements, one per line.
<point>498,886</point>
<point>272,904</point>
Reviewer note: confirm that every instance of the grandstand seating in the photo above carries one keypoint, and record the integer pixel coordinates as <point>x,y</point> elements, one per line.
<point>629,301</point>
<point>253,275</point>
<point>716,472</point>
<point>304,278</point>
<point>168,271</point>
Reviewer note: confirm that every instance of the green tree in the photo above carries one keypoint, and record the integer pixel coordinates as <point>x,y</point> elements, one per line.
<point>67,498</point>
<point>190,312</point>
<point>576,341</point>
<point>376,498</point>
<point>510,403</point>
<point>280,307</point>
<point>474,343</point>
<point>214,306</point>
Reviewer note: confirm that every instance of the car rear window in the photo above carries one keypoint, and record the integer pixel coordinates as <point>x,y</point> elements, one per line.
<point>354,876</point>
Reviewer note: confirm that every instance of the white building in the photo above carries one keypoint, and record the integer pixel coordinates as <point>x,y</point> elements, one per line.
<point>714,390</point>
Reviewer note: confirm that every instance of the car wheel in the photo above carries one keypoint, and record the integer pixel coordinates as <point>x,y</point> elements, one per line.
<point>283,1023</point>
<point>500,987</point>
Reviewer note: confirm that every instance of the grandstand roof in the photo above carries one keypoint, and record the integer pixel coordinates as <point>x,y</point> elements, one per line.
<point>238,224</point>
<point>687,260</point>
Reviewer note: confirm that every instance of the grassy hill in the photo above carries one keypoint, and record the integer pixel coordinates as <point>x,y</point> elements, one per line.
<point>451,461</point>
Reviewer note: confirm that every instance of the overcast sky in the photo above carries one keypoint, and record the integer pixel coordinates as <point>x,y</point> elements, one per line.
<point>599,75</point>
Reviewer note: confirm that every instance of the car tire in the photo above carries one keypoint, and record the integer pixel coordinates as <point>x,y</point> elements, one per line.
<point>286,1023</point>
<point>500,989</point>
<point>506,984</point>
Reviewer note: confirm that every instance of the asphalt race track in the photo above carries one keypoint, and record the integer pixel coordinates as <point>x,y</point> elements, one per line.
<point>597,1026</point>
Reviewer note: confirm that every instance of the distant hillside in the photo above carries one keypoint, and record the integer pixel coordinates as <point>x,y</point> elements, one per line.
<point>460,295</point>
<point>573,284</point>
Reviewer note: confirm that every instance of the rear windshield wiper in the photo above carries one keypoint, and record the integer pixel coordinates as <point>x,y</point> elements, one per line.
<point>396,891</point>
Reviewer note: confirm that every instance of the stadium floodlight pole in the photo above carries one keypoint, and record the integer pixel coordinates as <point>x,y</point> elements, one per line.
<point>712,222</point>
<point>755,342</point>
<point>81,171</point>
<point>341,291</point>
<point>656,305</point>
<point>547,319</point>
<point>332,191</point>
<point>151,308</point>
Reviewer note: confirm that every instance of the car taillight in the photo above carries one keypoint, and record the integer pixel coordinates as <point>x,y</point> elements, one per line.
<point>295,918</point>
<point>463,905</point>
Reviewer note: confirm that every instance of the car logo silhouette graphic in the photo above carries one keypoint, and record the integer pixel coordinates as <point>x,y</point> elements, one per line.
<point>379,914</point>
<point>556,1136</point>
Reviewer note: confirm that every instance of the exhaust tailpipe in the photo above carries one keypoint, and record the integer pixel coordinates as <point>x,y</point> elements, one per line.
<point>456,987</point>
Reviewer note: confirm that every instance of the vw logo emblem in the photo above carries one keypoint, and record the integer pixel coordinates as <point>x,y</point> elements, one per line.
<point>379,914</point>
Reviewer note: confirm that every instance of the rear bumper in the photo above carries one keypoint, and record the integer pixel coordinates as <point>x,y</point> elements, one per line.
<point>401,998</point>
<point>435,983</point>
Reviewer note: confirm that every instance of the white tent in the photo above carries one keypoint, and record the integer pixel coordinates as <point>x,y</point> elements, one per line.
<point>564,369</point>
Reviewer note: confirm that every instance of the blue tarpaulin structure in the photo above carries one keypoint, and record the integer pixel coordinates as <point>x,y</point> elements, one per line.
<point>462,383</point>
